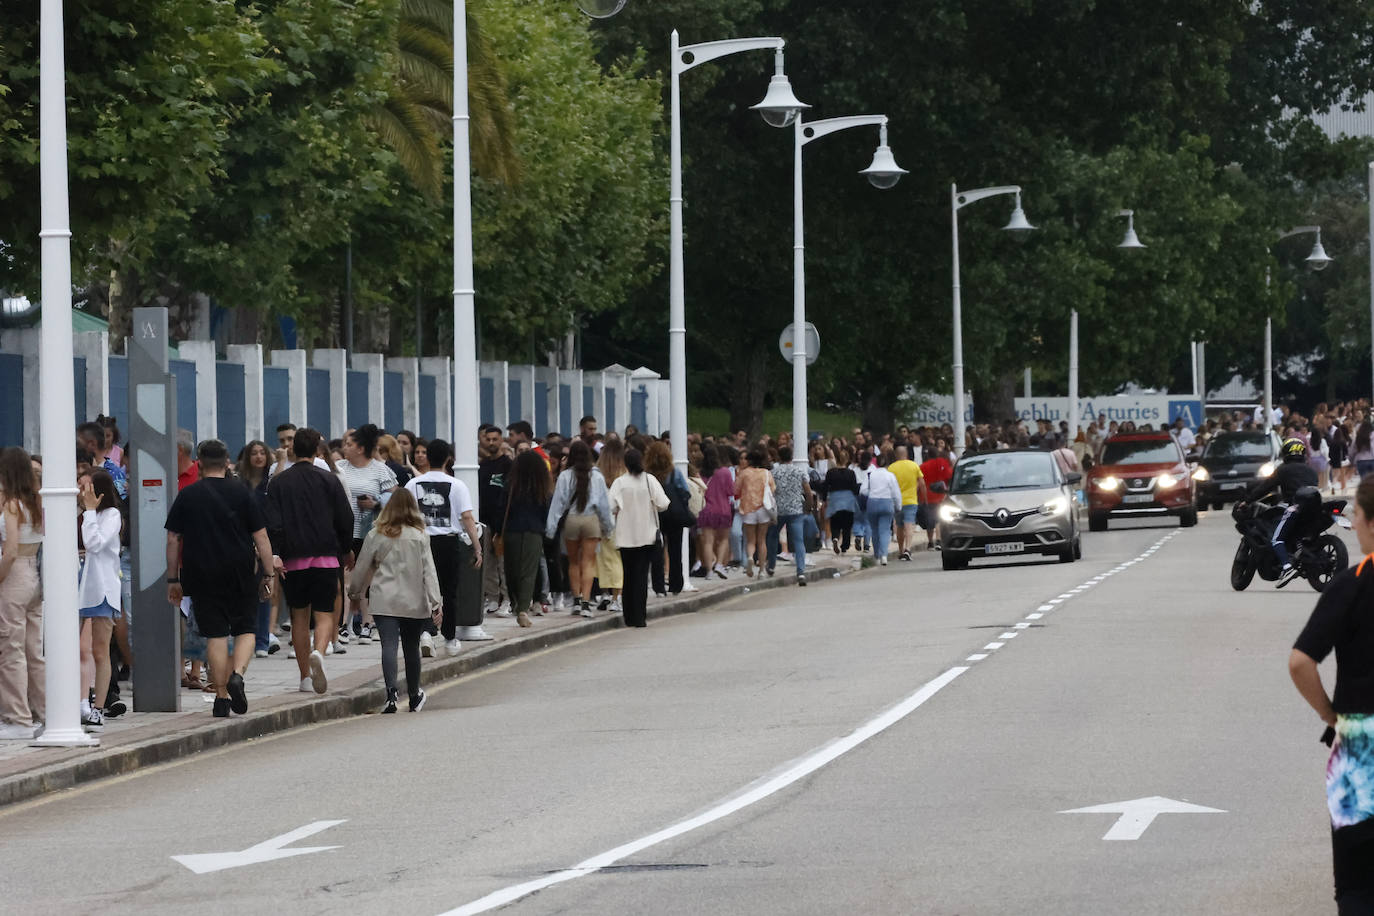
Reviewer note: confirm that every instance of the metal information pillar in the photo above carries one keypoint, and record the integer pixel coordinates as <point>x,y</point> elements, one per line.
<point>152,487</point>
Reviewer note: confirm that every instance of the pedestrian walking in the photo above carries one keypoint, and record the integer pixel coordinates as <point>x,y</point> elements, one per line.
<point>674,521</point>
<point>22,688</point>
<point>717,515</point>
<point>581,504</point>
<point>310,525</point>
<point>369,483</point>
<point>214,528</point>
<point>794,499</point>
<point>397,563</point>
<point>756,492</point>
<point>883,495</point>
<point>252,471</point>
<point>913,490</point>
<point>610,572</point>
<point>841,491</point>
<point>446,505</point>
<point>528,493</point>
<point>637,498</point>
<point>98,591</point>
<point>1340,623</point>
<point>493,471</point>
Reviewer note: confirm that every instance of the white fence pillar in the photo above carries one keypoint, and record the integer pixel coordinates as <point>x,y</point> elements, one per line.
<point>249,356</point>
<point>409,367</point>
<point>441,368</point>
<point>335,362</point>
<point>373,364</point>
<point>523,408</point>
<point>202,353</point>
<point>496,371</point>
<point>293,361</point>
<point>94,347</point>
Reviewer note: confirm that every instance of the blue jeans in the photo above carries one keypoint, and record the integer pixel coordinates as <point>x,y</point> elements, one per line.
<point>1364,468</point>
<point>737,540</point>
<point>263,630</point>
<point>796,540</point>
<point>860,523</point>
<point>880,524</point>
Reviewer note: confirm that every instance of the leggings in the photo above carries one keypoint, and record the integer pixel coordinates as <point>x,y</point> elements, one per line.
<point>841,526</point>
<point>406,631</point>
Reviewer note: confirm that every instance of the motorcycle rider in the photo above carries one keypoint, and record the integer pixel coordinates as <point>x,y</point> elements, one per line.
<point>1288,478</point>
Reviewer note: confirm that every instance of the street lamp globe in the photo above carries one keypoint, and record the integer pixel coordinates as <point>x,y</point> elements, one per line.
<point>600,9</point>
<point>1018,223</point>
<point>1318,259</point>
<point>780,106</point>
<point>883,172</point>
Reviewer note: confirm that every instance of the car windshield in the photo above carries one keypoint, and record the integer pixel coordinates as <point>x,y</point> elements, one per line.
<point>1013,471</point>
<point>1139,451</point>
<point>1239,447</point>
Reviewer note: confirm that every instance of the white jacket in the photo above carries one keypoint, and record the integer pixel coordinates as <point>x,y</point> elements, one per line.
<point>100,575</point>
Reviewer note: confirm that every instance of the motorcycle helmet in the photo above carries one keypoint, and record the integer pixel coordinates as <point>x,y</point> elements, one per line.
<point>1293,450</point>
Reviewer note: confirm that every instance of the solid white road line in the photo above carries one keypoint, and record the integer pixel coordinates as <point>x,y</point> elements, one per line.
<point>802,768</point>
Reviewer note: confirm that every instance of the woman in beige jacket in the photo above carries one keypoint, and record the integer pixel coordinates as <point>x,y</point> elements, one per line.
<point>395,561</point>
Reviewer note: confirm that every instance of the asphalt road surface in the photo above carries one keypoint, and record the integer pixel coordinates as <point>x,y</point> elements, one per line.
<point>900,741</point>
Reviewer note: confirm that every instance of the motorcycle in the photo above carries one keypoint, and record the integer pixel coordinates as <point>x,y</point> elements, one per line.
<point>1316,555</point>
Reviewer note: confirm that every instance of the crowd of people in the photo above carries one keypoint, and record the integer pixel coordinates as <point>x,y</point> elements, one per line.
<point>315,544</point>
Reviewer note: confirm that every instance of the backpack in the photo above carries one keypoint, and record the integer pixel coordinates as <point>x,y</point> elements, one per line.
<point>697,501</point>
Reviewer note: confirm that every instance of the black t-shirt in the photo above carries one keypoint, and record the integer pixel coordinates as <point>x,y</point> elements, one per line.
<point>1288,478</point>
<point>216,519</point>
<point>1344,620</point>
<point>492,474</point>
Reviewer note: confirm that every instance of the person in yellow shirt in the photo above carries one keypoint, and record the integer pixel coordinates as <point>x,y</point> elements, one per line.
<point>908,474</point>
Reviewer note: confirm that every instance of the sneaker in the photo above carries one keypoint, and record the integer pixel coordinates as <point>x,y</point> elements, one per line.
<point>615,606</point>
<point>286,626</point>
<point>390,706</point>
<point>576,607</point>
<point>221,710</point>
<point>417,702</point>
<point>10,731</point>
<point>317,678</point>
<point>524,619</point>
<point>365,635</point>
<point>882,561</point>
<point>1288,575</point>
<point>474,634</point>
<point>906,555</point>
<point>801,580</point>
<point>835,545</point>
<point>273,644</point>
<point>586,610</point>
<point>720,571</point>
<point>453,646</point>
<point>339,647</point>
<point>541,609</point>
<point>291,652</point>
<point>238,700</point>
<point>115,709</point>
<point>94,719</point>
<point>344,635</point>
<point>503,611</point>
<point>604,603</point>
<point>307,686</point>
<point>260,653</point>
<point>426,645</point>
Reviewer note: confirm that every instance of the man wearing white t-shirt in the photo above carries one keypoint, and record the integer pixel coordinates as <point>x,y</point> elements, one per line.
<point>456,546</point>
<point>1184,435</point>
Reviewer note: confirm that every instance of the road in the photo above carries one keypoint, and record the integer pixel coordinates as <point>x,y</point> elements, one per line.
<point>1144,675</point>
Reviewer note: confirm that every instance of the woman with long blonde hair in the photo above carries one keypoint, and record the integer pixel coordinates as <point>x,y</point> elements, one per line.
<point>396,563</point>
<point>610,572</point>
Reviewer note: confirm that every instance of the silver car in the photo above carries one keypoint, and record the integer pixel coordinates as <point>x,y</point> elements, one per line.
<point>1008,503</point>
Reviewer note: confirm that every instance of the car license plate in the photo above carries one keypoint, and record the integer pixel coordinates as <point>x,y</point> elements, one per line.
<point>1008,547</point>
<point>1233,486</point>
<point>1138,498</point>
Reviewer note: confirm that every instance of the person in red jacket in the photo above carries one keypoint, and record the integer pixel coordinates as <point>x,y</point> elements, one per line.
<point>935,469</point>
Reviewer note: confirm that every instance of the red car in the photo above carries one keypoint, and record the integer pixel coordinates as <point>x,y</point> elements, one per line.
<point>1141,474</point>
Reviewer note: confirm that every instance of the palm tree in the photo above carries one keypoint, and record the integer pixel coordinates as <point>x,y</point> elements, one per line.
<point>417,115</point>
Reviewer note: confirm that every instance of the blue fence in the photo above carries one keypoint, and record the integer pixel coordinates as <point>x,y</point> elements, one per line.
<point>428,414</point>
<point>357,398</point>
<point>609,419</point>
<point>317,400</point>
<point>232,406</point>
<point>541,408</point>
<point>276,400</point>
<point>393,401</point>
<point>565,409</point>
<point>12,383</point>
<point>119,392</point>
<point>486,400</point>
<point>639,408</point>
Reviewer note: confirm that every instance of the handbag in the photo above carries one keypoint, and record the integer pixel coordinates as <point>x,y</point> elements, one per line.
<point>658,529</point>
<point>770,502</point>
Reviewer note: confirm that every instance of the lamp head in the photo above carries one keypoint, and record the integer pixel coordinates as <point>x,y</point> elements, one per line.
<point>1131,240</point>
<point>600,9</point>
<point>883,172</point>
<point>1318,259</point>
<point>1018,222</point>
<point>780,106</point>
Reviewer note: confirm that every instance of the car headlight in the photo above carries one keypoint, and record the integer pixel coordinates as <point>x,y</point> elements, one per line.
<point>1266,469</point>
<point>1108,483</point>
<point>1165,481</point>
<point>950,512</point>
<point>1201,474</point>
<point>1057,506</point>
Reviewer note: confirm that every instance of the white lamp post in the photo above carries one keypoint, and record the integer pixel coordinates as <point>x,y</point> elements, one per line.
<point>57,414</point>
<point>1018,223</point>
<point>779,108</point>
<point>882,173</point>
<point>1317,259</point>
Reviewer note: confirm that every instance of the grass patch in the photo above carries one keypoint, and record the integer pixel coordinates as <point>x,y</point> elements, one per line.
<point>715,421</point>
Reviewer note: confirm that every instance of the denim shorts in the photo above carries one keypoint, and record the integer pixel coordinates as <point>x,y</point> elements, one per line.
<point>909,514</point>
<point>102,609</point>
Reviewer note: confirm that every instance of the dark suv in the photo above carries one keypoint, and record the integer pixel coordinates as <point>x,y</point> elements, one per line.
<point>1231,463</point>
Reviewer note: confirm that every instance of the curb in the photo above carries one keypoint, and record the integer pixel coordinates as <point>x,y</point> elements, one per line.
<point>127,758</point>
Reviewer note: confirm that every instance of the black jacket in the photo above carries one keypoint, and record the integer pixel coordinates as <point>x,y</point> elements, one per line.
<point>1288,478</point>
<point>308,514</point>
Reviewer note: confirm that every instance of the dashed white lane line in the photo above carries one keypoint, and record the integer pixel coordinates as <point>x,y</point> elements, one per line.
<point>1045,607</point>
<point>977,657</point>
<point>1036,616</point>
<point>1022,625</point>
<point>993,646</point>
<point>802,768</point>
<point>1009,635</point>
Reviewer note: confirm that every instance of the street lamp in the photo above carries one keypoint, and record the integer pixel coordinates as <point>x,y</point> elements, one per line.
<point>1017,224</point>
<point>883,173</point>
<point>1131,240</point>
<point>600,9</point>
<point>1317,260</point>
<point>779,108</point>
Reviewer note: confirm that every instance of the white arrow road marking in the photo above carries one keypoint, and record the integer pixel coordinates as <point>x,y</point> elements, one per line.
<point>266,851</point>
<point>1139,813</point>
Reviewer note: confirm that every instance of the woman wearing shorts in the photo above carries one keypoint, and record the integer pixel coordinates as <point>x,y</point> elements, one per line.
<point>750,485</point>
<point>580,501</point>
<point>718,515</point>
<point>98,591</point>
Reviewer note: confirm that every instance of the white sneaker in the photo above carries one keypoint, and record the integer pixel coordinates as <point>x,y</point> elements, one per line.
<point>273,644</point>
<point>12,731</point>
<point>339,647</point>
<point>615,605</point>
<point>260,653</point>
<point>317,678</point>
<point>426,645</point>
<point>882,561</point>
<point>453,646</point>
<point>503,611</point>
<point>329,649</point>
<point>474,634</point>
<point>307,686</point>
<point>291,652</point>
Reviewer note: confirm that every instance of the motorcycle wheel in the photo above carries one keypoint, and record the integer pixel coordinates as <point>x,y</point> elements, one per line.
<point>1329,558</point>
<point>1242,568</point>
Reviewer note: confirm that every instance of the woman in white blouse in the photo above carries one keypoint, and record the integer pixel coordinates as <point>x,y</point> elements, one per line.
<point>884,497</point>
<point>98,591</point>
<point>636,500</point>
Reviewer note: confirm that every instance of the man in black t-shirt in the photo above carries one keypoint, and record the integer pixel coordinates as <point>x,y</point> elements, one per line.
<point>216,535</point>
<point>493,468</point>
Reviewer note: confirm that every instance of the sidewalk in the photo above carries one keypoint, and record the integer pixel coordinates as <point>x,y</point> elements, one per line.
<point>275,703</point>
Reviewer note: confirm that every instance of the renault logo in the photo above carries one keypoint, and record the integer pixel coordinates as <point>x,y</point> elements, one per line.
<point>1002,516</point>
